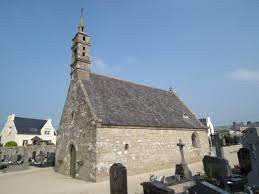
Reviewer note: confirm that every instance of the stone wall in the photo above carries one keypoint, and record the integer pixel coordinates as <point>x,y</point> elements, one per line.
<point>230,153</point>
<point>77,128</point>
<point>30,149</point>
<point>149,149</point>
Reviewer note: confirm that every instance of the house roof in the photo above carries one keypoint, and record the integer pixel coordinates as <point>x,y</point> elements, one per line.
<point>203,121</point>
<point>28,125</point>
<point>118,102</point>
<point>36,138</point>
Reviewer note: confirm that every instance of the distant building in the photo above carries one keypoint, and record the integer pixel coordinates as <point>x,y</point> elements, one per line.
<point>26,131</point>
<point>241,126</point>
<point>207,123</point>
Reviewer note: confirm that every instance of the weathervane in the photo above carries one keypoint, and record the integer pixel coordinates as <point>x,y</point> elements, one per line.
<point>82,10</point>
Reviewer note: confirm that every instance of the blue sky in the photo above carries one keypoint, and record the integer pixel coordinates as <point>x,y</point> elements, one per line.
<point>207,50</point>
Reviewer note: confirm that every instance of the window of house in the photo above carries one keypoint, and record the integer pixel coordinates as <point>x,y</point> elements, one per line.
<point>47,132</point>
<point>83,38</point>
<point>83,48</point>
<point>83,53</point>
<point>195,140</point>
<point>82,28</point>
<point>25,142</point>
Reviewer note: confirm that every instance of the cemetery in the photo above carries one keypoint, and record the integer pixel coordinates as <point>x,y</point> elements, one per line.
<point>218,175</point>
<point>118,136</point>
<point>21,157</point>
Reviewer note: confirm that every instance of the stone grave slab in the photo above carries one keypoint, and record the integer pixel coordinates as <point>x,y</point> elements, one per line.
<point>118,179</point>
<point>215,167</point>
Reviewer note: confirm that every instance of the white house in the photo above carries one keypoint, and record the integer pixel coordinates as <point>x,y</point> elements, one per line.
<point>26,131</point>
<point>207,123</point>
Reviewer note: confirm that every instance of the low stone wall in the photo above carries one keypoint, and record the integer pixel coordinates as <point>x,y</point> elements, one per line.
<point>230,153</point>
<point>30,149</point>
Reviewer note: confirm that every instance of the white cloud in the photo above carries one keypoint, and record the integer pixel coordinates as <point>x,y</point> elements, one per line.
<point>102,67</point>
<point>244,74</point>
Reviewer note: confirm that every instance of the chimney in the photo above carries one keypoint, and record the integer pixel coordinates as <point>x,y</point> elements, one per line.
<point>11,117</point>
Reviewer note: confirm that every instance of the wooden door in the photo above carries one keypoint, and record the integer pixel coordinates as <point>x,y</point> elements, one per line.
<point>72,161</point>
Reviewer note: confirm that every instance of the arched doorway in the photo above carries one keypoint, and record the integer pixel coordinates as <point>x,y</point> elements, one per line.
<point>72,161</point>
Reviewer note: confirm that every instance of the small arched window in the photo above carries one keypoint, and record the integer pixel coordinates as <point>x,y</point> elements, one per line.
<point>126,146</point>
<point>195,140</point>
<point>73,114</point>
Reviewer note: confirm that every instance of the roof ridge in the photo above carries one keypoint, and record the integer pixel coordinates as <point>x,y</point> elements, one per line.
<point>132,82</point>
<point>188,108</point>
<point>31,118</point>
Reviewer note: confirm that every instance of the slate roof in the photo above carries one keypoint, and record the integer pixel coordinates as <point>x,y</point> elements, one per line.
<point>119,102</point>
<point>28,125</point>
<point>203,121</point>
<point>36,138</point>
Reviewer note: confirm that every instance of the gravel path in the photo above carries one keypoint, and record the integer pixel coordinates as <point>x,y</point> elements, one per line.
<point>46,181</point>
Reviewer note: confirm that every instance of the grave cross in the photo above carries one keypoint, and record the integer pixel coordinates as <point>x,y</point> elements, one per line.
<point>218,146</point>
<point>181,145</point>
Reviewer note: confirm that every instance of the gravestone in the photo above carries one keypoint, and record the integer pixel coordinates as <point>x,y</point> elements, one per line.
<point>206,188</point>
<point>182,169</point>
<point>118,179</point>
<point>250,140</point>
<point>19,162</point>
<point>217,141</point>
<point>50,159</point>
<point>156,188</point>
<point>244,160</point>
<point>217,168</point>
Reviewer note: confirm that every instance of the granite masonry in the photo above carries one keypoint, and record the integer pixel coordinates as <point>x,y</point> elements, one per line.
<point>107,120</point>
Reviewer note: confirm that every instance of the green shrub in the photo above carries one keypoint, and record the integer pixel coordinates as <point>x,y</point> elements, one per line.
<point>231,140</point>
<point>10,144</point>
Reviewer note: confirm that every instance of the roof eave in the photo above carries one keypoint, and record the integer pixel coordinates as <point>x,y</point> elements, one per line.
<point>110,125</point>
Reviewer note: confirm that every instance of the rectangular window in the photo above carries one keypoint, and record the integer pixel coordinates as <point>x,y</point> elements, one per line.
<point>25,142</point>
<point>47,132</point>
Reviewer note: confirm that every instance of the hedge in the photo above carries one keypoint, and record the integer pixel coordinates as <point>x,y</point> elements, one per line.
<point>10,144</point>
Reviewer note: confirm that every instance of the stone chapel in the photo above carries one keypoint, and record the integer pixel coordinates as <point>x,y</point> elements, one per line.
<point>107,120</point>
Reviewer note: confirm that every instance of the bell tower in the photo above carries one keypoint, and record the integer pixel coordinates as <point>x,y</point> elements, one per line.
<point>80,66</point>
